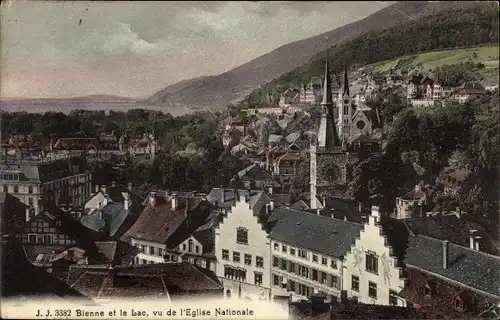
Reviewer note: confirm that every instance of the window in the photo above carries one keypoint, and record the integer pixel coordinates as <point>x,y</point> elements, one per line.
<point>292,286</point>
<point>324,261</point>
<point>190,245</point>
<point>284,249</point>
<point>143,249</point>
<point>32,238</point>
<point>242,236</point>
<point>371,262</point>
<point>152,251</point>
<point>248,259</point>
<point>184,247</point>
<point>197,249</point>
<point>258,278</point>
<point>275,261</point>
<point>291,267</point>
<point>167,258</point>
<point>225,254</point>
<point>335,281</point>
<point>292,251</point>
<point>30,189</point>
<point>30,202</point>
<point>372,290</point>
<point>276,246</point>
<point>5,189</point>
<point>283,264</point>
<point>259,262</point>
<point>315,275</point>
<point>315,258</point>
<point>393,298</point>
<point>236,256</point>
<point>304,271</point>
<point>333,264</point>
<point>355,283</point>
<point>16,189</point>
<point>143,261</point>
<point>276,280</point>
<point>302,254</point>
<point>323,277</point>
<point>160,252</point>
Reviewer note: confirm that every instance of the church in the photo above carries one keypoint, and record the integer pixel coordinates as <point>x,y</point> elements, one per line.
<point>342,134</point>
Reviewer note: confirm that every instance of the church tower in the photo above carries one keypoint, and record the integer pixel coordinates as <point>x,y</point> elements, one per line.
<point>328,160</point>
<point>344,108</point>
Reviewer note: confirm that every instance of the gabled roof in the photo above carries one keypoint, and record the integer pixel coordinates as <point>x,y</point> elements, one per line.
<point>331,237</point>
<point>158,223</point>
<point>275,138</point>
<point>255,173</point>
<point>110,218</point>
<point>361,138</point>
<point>292,137</point>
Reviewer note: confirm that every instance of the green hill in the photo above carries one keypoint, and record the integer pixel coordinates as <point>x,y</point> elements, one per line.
<point>487,55</point>
<point>462,28</point>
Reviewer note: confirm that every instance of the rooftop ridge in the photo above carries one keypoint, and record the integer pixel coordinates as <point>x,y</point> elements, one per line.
<point>317,215</point>
<point>457,245</point>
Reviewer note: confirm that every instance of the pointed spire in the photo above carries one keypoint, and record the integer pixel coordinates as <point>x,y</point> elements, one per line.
<point>331,138</point>
<point>346,79</point>
<point>327,88</point>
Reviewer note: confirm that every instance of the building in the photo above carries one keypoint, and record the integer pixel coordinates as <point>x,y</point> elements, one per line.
<point>310,93</point>
<point>254,177</point>
<point>372,273</point>
<point>241,243</point>
<point>163,229</point>
<point>454,180</point>
<point>328,160</point>
<point>307,253</point>
<point>62,179</point>
<point>289,97</point>
<point>469,91</point>
<point>412,204</point>
<point>167,282</point>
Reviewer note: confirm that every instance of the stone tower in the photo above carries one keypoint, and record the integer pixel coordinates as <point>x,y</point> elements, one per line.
<point>344,108</point>
<point>328,160</point>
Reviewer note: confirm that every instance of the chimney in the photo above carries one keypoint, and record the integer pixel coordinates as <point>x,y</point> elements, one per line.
<point>270,189</point>
<point>360,207</point>
<point>446,254</point>
<point>472,243</point>
<point>152,199</point>
<point>477,240</point>
<point>126,201</point>
<point>345,218</point>
<point>324,202</point>
<point>105,199</point>
<point>375,215</point>
<point>223,194</point>
<point>174,202</point>
<point>130,186</point>
<point>271,205</point>
<point>103,188</point>
<point>113,183</point>
<point>97,188</point>
<point>267,208</point>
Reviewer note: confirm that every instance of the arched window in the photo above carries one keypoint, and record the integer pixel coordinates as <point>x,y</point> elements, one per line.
<point>190,245</point>
<point>16,189</point>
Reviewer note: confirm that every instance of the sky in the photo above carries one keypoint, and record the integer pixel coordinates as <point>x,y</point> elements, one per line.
<point>132,49</point>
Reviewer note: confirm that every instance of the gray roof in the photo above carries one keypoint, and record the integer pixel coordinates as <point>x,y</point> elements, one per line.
<point>47,170</point>
<point>292,137</point>
<point>469,267</point>
<point>255,172</point>
<point>331,237</point>
<point>115,213</point>
<point>275,138</point>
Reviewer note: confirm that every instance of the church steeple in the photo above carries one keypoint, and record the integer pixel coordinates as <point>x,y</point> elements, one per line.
<point>345,81</point>
<point>331,137</point>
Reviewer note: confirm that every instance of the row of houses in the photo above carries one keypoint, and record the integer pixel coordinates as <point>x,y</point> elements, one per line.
<point>259,248</point>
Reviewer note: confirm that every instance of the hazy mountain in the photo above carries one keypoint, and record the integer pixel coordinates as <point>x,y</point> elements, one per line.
<point>231,86</point>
